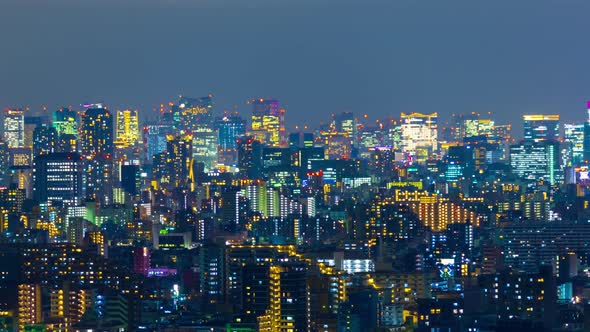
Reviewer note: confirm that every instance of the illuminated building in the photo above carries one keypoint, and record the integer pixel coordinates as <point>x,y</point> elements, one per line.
<point>44,140</point>
<point>541,127</point>
<point>268,122</point>
<point>29,305</point>
<point>478,127</point>
<point>419,135</point>
<point>67,304</point>
<point>574,138</point>
<point>288,299</point>
<point>434,211</point>
<point>59,178</point>
<point>127,129</point>
<point>130,179</point>
<point>338,146</point>
<point>179,153</point>
<point>212,282</point>
<point>368,139</point>
<point>154,139</point>
<point>230,128</point>
<point>96,133</point>
<point>301,140</point>
<point>518,295</point>
<point>14,128</point>
<point>95,243</point>
<point>64,121</point>
<point>273,157</point>
<point>587,137</point>
<point>249,157</point>
<point>345,122</point>
<point>535,160</point>
<point>205,147</point>
<point>100,178</point>
<point>192,113</point>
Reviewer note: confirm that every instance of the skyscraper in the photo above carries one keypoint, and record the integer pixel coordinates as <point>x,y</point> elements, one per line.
<point>179,152</point>
<point>540,127</point>
<point>419,135</point>
<point>14,128</point>
<point>574,138</point>
<point>535,160</point>
<point>192,113</point>
<point>64,121</point>
<point>127,129</point>
<point>268,122</point>
<point>249,157</point>
<point>44,140</point>
<point>59,178</point>
<point>96,132</point>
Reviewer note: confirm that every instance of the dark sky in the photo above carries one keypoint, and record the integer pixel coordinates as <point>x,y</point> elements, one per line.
<point>379,57</point>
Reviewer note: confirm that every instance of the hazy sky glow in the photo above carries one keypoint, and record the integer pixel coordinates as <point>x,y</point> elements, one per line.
<point>318,57</point>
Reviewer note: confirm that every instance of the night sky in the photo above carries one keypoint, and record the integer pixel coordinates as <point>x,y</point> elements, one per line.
<point>318,57</point>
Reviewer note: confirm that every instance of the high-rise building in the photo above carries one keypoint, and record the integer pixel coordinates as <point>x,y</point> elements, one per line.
<point>587,137</point>
<point>59,178</point>
<point>45,140</point>
<point>100,177</point>
<point>574,139</point>
<point>130,179</point>
<point>205,147</point>
<point>541,127</point>
<point>535,160</point>
<point>268,122</point>
<point>96,133</point>
<point>179,161</point>
<point>29,305</point>
<point>14,128</point>
<point>127,128</point>
<point>64,121</point>
<point>192,113</point>
<point>229,129</point>
<point>155,138</point>
<point>288,299</point>
<point>419,135</point>
<point>249,157</point>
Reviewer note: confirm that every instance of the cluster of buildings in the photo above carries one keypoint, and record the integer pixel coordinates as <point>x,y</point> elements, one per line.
<point>213,221</point>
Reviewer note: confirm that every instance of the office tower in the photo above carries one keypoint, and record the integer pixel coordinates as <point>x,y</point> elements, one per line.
<point>249,157</point>
<point>345,122</point>
<point>179,160</point>
<point>155,138</point>
<point>14,128</point>
<point>478,127</point>
<point>205,147</point>
<point>574,139</point>
<point>59,178</point>
<point>64,121</point>
<point>586,154</point>
<point>45,140</point>
<point>419,135</point>
<point>229,128</point>
<point>541,127</point>
<point>96,134</point>
<point>301,140</point>
<point>130,179</point>
<point>100,176</point>
<point>29,305</point>
<point>535,160</point>
<point>339,146</point>
<point>127,129</point>
<point>268,122</point>
<point>192,113</point>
